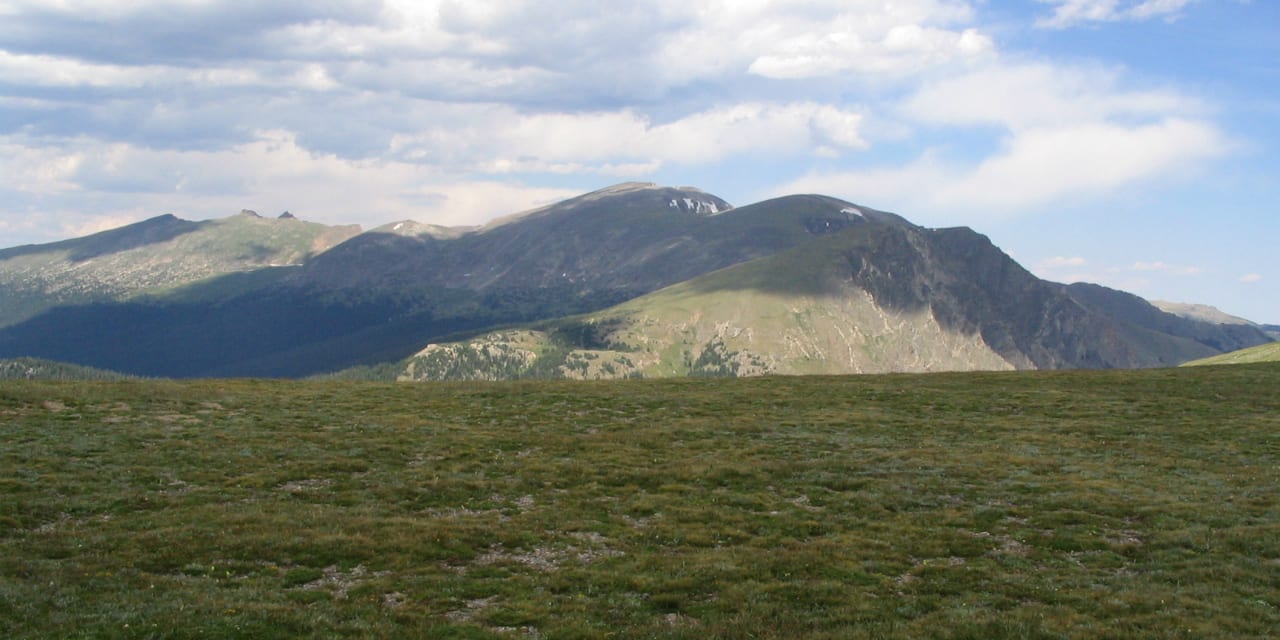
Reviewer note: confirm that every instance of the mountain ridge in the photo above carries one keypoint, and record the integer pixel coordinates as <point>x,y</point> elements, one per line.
<point>382,295</point>
<point>862,300</point>
<point>150,257</point>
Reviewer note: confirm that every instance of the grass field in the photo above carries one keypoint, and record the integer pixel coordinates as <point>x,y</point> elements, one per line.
<point>1004,505</point>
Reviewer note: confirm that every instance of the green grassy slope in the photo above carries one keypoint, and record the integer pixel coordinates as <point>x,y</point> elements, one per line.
<point>1135,504</point>
<point>1269,352</point>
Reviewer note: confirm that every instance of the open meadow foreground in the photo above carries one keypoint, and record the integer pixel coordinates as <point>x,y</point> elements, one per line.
<point>1086,504</point>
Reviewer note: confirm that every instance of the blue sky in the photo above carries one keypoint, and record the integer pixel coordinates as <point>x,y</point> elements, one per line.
<point>1132,143</point>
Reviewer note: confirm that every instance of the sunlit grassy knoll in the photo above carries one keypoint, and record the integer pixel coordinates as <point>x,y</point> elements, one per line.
<point>1269,352</point>
<point>1002,505</point>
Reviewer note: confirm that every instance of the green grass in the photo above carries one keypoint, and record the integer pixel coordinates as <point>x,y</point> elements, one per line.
<point>1269,352</point>
<point>1004,505</point>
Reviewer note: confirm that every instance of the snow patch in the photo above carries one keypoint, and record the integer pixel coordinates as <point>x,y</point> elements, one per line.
<point>853,211</point>
<point>694,206</point>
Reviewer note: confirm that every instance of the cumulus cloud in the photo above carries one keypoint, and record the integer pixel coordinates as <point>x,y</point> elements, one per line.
<point>1034,169</point>
<point>1024,95</point>
<point>1065,134</point>
<point>1039,166</point>
<point>133,108</point>
<point>501,140</point>
<point>348,76</point>
<point>1069,13</point>
<point>569,52</point>
<point>1250,278</point>
<point>153,105</point>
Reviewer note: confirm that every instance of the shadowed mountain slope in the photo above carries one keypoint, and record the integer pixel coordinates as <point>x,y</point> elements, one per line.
<point>1141,319</point>
<point>625,239</point>
<point>383,294</point>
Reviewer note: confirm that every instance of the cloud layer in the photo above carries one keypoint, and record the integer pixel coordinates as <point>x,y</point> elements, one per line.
<point>1063,134</point>
<point>454,112</point>
<point>1070,13</point>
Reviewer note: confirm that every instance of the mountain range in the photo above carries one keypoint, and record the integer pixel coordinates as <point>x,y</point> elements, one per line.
<point>633,280</point>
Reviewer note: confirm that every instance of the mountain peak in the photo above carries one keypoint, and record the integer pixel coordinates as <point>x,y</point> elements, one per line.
<point>623,198</point>
<point>249,213</point>
<point>1202,312</point>
<point>625,187</point>
<point>287,216</point>
<point>413,228</point>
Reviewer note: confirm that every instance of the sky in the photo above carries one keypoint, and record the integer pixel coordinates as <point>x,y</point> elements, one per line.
<point>1130,143</point>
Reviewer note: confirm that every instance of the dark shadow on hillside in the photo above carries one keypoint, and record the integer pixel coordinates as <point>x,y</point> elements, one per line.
<point>593,250</point>
<point>1132,310</point>
<point>265,323</point>
<point>197,339</point>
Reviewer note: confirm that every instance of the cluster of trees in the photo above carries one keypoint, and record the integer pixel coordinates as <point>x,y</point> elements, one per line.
<point>37,369</point>
<point>715,361</point>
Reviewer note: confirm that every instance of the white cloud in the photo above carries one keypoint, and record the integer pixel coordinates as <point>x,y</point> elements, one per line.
<point>1066,134</point>
<point>1064,269</point>
<point>34,169</point>
<point>902,49</point>
<point>1069,13</point>
<point>662,60</point>
<point>824,38</point>
<point>57,71</point>
<point>1034,169</point>
<point>579,50</point>
<point>52,71</point>
<point>499,139</point>
<point>1038,166</point>
<point>1019,96</point>
<point>398,100</point>
<point>1166,268</point>
<point>1250,278</point>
